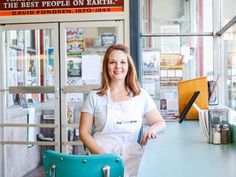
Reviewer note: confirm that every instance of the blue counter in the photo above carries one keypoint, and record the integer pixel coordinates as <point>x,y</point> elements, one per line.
<point>182,151</point>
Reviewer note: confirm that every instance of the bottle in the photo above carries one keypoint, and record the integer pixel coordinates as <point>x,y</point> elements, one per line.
<point>216,134</point>
<point>225,134</point>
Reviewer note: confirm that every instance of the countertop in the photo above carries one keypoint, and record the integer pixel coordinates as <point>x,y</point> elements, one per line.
<point>182,151</point>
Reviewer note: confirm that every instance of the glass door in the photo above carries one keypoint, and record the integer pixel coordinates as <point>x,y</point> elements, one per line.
<point>2,63</point>
<point>42,89</point>
<point>29,90</point>
<point>82,48</point>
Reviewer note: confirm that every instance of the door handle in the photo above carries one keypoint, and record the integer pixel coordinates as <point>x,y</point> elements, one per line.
<point>31,89</point>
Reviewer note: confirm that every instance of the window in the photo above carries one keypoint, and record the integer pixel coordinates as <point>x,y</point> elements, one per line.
<point>177,40</point>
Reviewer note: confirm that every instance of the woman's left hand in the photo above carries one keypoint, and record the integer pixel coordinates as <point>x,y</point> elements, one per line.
<point>148,135</point>
<point>156,124</point>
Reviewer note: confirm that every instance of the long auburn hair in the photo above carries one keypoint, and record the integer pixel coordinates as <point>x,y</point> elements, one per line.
<point>131,81</point>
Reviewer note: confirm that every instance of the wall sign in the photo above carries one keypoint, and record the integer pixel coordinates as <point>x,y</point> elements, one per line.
<point>46,7</point>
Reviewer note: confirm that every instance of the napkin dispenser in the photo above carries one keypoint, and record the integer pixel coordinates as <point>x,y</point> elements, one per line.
<point>214,123</point>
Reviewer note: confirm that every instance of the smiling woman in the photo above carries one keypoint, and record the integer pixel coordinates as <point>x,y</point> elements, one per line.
<point>117,65</point>
<point>116,111</point>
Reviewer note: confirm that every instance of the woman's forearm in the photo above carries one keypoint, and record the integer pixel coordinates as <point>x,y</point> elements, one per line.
<point>158,127</point>
<point>91,144</point>
<point>85,133</point>
<point>155,127</point>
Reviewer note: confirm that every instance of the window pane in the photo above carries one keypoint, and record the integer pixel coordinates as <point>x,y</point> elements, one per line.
<point>229,53</point>
<point>228,10</point>
<point>188,15</point>
<point>30,62</point>
<point>171,59</point>
<point>82,44</point>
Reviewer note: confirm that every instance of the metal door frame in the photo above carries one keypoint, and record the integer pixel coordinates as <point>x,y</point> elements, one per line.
<point>4,91</point>
<point>2,100</point>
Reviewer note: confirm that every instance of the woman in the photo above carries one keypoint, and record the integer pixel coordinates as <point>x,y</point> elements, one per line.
<point>116,112</point>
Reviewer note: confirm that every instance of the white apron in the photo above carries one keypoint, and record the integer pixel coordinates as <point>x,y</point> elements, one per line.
<point>120,133</point>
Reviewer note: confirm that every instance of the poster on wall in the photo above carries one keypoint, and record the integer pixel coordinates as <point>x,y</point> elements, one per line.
<point>108,39</point>
<point>50,60</point>
<point>74,41</point>
<point>169,102</point>
<point>74,67</point>
<point>50,76</point>
<point>91,69</point>
<point>150,87</point>
<point>151,72</point>
<point>170,45</point>
<point>151,63</point>
<point>45,7</point>
<point>50,67</point>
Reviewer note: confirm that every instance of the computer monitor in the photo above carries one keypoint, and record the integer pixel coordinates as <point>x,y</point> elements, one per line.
<point>189,92</point>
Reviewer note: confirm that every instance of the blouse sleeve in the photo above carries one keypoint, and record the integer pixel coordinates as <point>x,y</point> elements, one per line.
<point>89,103</point>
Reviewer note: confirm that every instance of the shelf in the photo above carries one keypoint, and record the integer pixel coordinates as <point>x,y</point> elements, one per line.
<point>96,49</point>
<point>16,47</point>
<point>178,67</point>
<point>166,79</point>
<point>169,83</point>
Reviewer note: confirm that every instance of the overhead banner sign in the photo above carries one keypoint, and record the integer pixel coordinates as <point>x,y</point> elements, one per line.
<point>46,7</point>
